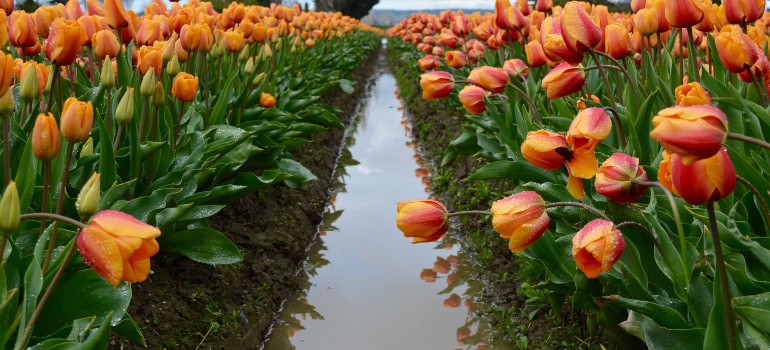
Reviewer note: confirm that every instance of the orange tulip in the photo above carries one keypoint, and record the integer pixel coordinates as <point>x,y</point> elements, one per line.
<point>683,13</point>
<point>185,87</point>
<point>743,11</point>
<point>118,246</point>
<point>554,45</point>
<point>516,68</point>
<point>422,220</point>
<point>234,41</point>
<point>149,32</point>
<point>105,44</point>
<point>544,5</point>
<point>736,50</point>
<point>116,14</point>
<point>523,6</point>
<point>489,78</point>
<point>580,33</point>
<point>91,25</point>
<point>472,98</point>
<point>41,71</point>
<point>693,132</point>
<point>44,18</point>
<point>94,8</point>
<point>456,59</point>
<point>21,30</point>
<point>428,62</point>
<point>521,218</point>
<point>150,57</point>
<point>196,37</point>
<point>586,131</point>
<point>64,42</point>
<point>72,10</point>
<point>596,247</point>
<point>637,5</point>
<point>45,137</point>
<point>664,173</point>
<point>7,67</point>
<point>267,100</point>
<point>436,85</point>
<point>545,149</point>
<point>535,54</point>
<point>617,42</point>
<point>501,20</point>
<point>646,21</point>
<point>692,94</point>
<point>77,119</point>
<point>7,6</point>
<point>564,80</point>
<point>706,180</point>
<point>614,179</point>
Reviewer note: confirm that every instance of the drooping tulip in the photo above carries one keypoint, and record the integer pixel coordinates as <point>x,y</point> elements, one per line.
<point>615,177</point>
<point>77,119</point>
<point>735,49</point>
<point>743,11</point>
<point>118,246</point>
<point>422,220</point>
<point>489,78</point>
<point>46,142</point>
<point>580,33</point>
<point>545,149</point>
<point>516,68</point>
<point>456,59</point>
<point>693,132</point>
<point>428,62</point>
<point>521,218</point>
<point>565,79</point>
<point>472,98</point>
<point>436,85</point>
<point>596,247</point>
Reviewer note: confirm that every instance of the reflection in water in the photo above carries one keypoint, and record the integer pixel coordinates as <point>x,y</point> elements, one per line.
<point>380,291</point>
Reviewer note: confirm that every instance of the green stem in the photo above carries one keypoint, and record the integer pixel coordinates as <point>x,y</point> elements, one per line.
<point>3,243</point>
<point>693,56</point>
<point>723,282</point>
<point>118,135</point>
<point>611,93</point>
<point>54,78</point>
<point>749,139</point>
<point>46,187</point>
<point>469,212</point>
<point>596,212</point>
<point>7,150</point>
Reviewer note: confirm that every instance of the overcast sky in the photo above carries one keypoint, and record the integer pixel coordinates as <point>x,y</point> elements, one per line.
<point>434,4</point>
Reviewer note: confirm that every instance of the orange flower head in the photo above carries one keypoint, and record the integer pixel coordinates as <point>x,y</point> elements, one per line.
<point>72,10</point>
<point>472,98</point>
<point>614,179</point>
<point>116,14</point>
<point>683,13</point>
<point>21,30</point>
<point>436,85</point>
<point>267,100</point>
<point>516,68</point>
<point>44,17</point>
<point>545,149</point>
<point>489,78</point>
<point>428,62</point>
<point>521,218</point>
<point>185,87</point>
<point>149,32</point>
<point>118,246</point>
<point>41,72</point>
<point>7,67</point>
<point>422,220</point>
<point>45,137</point>
<point>94,8</point>
<point>692,132</point>
<point>692,94</point>
<point>580,33</point>
<point>150,57</point>
<point>233,40</point>
<point>736,50</point>
<point>535,54</point>
<point>587,130</point>
<point>646,21</point>
<point>105,44</point>
<point>617,42</point>
<point>637,5</point>
<point>544,5</point>
<point>596,247</point>
<point>64,42</point>
<point>7,6</point>
<point>706,180</point>
<point>77,119</point>
<point>456,59</point>
<point>565,79</point>
<point>743,11</point>
<point>664,173</point>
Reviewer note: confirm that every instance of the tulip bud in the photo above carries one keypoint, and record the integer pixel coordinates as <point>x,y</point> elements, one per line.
<point>472,98</point>
<point>6,104</point>
<point>428,62</point>
<point>521,218</point>
<point>184,87</point>
<point>703,181</point>
<point>45,137</point>
<point>580,33</point>
<point>694,132</point>
<point>564,80</point>
<point>88,200</point>
<point>596,247</point>
<point>422,220</point>
<point>267,101</point>
<point>266,51</point>
<point>489,78</point>
<point>258,79</point>
<point>169,48</point>
<point>48,84</point>
<point>456,59</point>
<point>244,54</point>
<point>125,110</point>
<point>249,67</point>
<point>10,210</point>
<point>108,74</point>
<point>147,88</point>
<point>436,85</point>
<point>615,177</point>
<point>692,94</point>
<point>516,68</point>
<point>88,148</point>
<point>77,119</point>
<point>28,89</point>
<point>158,95</point>
<point>173,67</point>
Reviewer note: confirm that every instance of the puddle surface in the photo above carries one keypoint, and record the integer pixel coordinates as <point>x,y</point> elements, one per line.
<point>369,288</point>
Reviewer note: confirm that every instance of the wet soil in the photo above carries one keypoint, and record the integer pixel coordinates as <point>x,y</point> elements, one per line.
<point>187,305</point>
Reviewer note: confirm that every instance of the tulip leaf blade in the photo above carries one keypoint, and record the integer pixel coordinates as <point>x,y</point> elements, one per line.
<point>203,245</point>
<point>516,169</point>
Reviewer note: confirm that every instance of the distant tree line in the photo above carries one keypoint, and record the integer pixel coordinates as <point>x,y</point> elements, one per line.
<point>353,8</point>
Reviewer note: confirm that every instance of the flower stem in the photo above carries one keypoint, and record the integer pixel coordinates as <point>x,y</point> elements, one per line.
<point>596,212</point>
<point>3,242</point>
<point>525,96</point>
<point>117,139</point>
<point>720,263</point>
<point>469,212</point>
<point>206,85</point>
<point>693,56</point>
<point>54,77</point>
<point>643,228</point>
<point>46,186</point>
<point>749,139</point>
<point>143,119</point>
<point>178,130</point>
<point>611,93</point>
<point>59,204</point>
<point>622,68</point>
<point>7,150</point>
<point>49,216</point>
<point>109,112</point>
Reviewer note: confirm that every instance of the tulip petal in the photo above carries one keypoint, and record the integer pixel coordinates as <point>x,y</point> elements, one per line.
<point>528,233</point>
<point>127,225</point>
<point>101,253</point>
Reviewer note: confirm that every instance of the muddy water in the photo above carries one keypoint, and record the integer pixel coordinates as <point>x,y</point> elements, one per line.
<point>368,287</point>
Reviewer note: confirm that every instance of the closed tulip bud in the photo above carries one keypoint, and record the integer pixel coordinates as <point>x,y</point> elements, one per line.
<point>436,85</point>
<point>147,88</point>
<point>580,33</point>
<point>521,218</point>
<point>150,58</point>
<point>489,78</point>
<point>535,54</point>
<point>7,65</point>
<point>125,110</point>
<point>693,132</point>
<point>617,42</point>
<point>615,177</point>
<point>185,87</point>
<point>428,62</point>
<point>88,200</point>
<point>422,220</point>
<point>545,149</point>
<point>105,44</point>
<point>267,100</point>
<point>743,11</point>
<point>77,119</point>
<point>596,247</point>
<point>735,49</point>
<point>516,68</point>
<point>565,79</point>
<point>683,13</point>
<point>169,48</point>
<point>637,5</point>
<point>108,74</point>
<point>248,68</point>
<point>244,54</point>
<point>88,148</point>
<point>266,51</point>
<point>28,89</point>
<point>103,245</point>
<point>472,98</point>
<point>703,181</point>
<point>646,21</point>
<point>258,79</point>
<point>45,137</point>
<point>456,59</point>
<point>159,95</point>
<point>692,94</point>
<point>173,67</point>
<point>6,104</point>
<point>10,210</point>
<point>544,5</point>
<point>64,42</point>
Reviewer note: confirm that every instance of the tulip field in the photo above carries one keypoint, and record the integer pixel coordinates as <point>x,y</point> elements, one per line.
<point>635,146</point>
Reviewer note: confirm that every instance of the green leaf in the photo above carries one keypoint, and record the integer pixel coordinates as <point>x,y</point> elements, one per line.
<point>661,314</point>
<point>518,169</point>
<point>347,86</point>
<point>661,338</point>
<point>25,177</point>
<point>127,328</point>
<point>202,245</point>
<point>299,174</point>
<point>107,166</point>
<point>33,284</point>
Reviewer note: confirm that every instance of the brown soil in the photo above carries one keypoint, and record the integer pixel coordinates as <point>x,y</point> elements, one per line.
<point>187,305</point>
